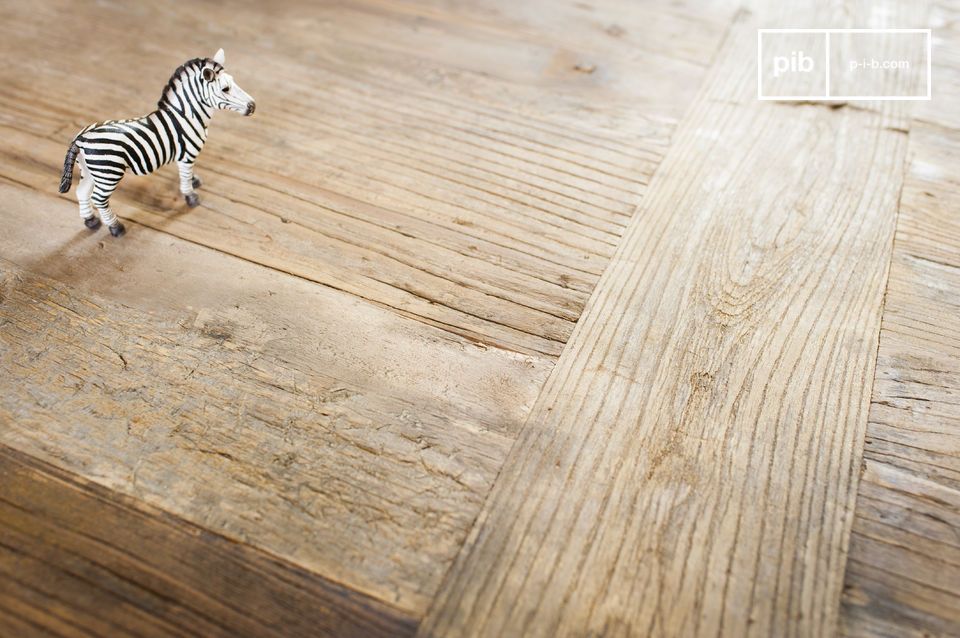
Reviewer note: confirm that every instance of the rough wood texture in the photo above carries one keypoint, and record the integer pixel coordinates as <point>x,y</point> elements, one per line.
<point>76,560</point>
<point>903,576</point>
<point>354,442</point>
<point>944,22</point>
<point>309,384</point>
<point>462,206</point>
<point>455,168</point>
<point>690,467</point>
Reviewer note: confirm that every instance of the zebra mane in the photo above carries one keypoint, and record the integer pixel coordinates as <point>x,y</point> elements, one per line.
<point>194,63</point>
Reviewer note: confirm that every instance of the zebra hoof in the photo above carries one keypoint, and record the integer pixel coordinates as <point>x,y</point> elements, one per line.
<point>117,229</point>
<point>193,200</point>
<point>92,223</point>
<point>196,182</point>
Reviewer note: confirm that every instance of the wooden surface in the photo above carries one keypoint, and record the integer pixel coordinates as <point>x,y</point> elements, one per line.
<point>903,575</point>
<point>446,193</point>
<point>76,560</point>
<point>475,195</point>
<point>258,426</point>
<point>497,318</point>
<point>904,572</point>
<point>690,467</point>
<point>330,358</point>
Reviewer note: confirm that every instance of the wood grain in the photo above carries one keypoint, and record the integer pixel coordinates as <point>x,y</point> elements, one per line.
<point>284,411</point>
<point>459,172</point>
<point>330,358</point>
<point>903,575</point>
<point>79,560</point>
<point>944,23</point>
<point>690,466</point>
<point>303,421</point>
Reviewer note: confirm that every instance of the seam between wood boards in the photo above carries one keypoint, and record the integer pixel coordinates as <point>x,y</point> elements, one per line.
<point>386,255</point>
<point>386,227</point>
<point>115,498</point>
<point>865,385</point>
<point>448,328</point>
<point>861,467</point>
<point>474,525</point>
<point>934,124</point>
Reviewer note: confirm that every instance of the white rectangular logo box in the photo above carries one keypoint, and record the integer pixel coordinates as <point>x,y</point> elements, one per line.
<point>809,64</point>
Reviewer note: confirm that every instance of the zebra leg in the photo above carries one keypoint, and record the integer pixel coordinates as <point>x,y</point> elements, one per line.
<point>84,191</point>
<point>101,199</point>
<point>188,182</point>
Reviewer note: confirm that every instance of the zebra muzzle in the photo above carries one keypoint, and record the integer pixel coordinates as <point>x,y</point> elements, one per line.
<point>251,107</point>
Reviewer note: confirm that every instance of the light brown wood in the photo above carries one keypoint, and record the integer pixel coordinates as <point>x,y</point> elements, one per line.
<point>690,467</point>
<point>330,358</point>
<point>333,433</point>
<point>483,194</point>
<point>78,560</point>
<point>903,576</point>
<point>317,376</point>
<point>945,32</point>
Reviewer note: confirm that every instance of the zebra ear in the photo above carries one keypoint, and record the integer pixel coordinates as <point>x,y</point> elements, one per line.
<point>218,58</point>
<point>208,74</point>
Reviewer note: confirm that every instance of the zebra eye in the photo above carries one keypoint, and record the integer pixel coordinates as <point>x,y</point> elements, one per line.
<point>226,89</point>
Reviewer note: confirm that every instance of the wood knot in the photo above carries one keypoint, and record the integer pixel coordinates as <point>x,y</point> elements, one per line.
<point>615,31</point>
<point>217,331</point>
<point>701,381</point>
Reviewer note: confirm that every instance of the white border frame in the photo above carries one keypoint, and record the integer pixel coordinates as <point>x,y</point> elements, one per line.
<point>827,97</point>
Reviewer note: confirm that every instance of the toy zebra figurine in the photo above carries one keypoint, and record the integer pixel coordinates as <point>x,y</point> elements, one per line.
<point>177,131</point>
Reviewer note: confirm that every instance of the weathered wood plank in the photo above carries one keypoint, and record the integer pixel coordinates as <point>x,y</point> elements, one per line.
<point>446,165</point>
<point>302,420</point>
<point>945,31</point>
<point>77,559</point>
<point>903,576</point>
<point>691,465</point>
<point>480,193</point>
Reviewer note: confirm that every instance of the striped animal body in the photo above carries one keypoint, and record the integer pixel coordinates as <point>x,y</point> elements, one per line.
<point>176,131</point>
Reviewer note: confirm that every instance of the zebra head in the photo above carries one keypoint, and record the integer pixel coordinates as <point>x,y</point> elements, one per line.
<point>223,91</point>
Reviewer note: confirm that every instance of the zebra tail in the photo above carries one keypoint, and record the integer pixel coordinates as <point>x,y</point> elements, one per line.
<point>68,162</point>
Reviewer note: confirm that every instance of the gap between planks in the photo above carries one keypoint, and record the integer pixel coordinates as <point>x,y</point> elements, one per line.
<point>78,559</point>
<point>691,465</point>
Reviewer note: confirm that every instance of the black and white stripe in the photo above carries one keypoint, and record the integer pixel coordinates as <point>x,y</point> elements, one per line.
<point>176,131</point>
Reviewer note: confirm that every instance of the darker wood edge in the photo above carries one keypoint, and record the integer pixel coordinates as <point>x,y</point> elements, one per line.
<point>77,558</point>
